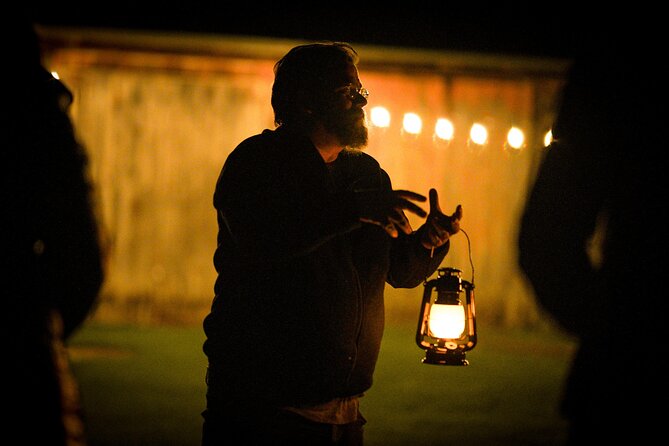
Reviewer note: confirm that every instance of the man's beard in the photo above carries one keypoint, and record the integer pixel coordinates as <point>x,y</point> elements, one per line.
<point>348,127</point>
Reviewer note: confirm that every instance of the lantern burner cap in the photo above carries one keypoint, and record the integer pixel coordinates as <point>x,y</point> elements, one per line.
<point>448,357</point>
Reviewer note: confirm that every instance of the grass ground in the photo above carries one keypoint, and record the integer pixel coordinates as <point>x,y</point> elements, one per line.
<point>145,386</point>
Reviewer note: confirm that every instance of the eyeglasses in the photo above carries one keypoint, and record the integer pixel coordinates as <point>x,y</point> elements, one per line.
<point>351,91</point>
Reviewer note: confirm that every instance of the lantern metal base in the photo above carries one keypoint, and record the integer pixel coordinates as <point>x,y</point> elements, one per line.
<point>449,357</point>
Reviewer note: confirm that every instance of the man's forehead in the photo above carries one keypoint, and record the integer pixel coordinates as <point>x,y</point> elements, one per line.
<point>349,76</point>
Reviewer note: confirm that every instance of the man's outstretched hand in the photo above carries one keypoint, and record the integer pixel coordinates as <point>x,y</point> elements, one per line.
<point>439,227</point>
<point>386,208</point>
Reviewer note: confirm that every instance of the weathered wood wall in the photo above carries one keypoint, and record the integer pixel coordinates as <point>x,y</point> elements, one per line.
<point>158,123</point>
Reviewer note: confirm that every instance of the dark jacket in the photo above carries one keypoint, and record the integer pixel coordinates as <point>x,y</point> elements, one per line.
<point>298,313</point>
<point>52,262</point>
<point>602,184</point>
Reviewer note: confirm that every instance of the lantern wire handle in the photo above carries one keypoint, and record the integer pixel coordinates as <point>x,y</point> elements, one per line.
<point>469,250</point>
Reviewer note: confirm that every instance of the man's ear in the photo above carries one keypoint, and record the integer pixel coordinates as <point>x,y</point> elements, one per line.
<point>310,103</point>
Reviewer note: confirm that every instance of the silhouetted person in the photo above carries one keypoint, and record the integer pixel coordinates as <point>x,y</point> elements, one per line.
<point>592,241</point>
<point>51,268</point>
<point>310,230</point>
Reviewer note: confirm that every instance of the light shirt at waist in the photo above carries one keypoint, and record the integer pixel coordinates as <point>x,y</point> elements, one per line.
<point>338,411</point>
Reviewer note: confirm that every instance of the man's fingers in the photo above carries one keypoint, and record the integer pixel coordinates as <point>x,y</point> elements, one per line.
<point>410,195</point>
<point>458,213</point>
<point>441,222</point>
<point>401,221</point>
<point>412,207</point>
<point>404,200</point>
<point>391,230</point>
<point>387,209</point>
<point>455,220</point>
<point>434,201</point>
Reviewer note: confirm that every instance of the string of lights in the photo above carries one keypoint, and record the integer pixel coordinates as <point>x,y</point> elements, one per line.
<point>444,130</point>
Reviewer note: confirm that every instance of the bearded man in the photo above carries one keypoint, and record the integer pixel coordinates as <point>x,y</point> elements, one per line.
<point>310,231</point>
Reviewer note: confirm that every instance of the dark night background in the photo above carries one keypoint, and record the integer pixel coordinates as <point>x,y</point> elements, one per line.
<point>512,31</point>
